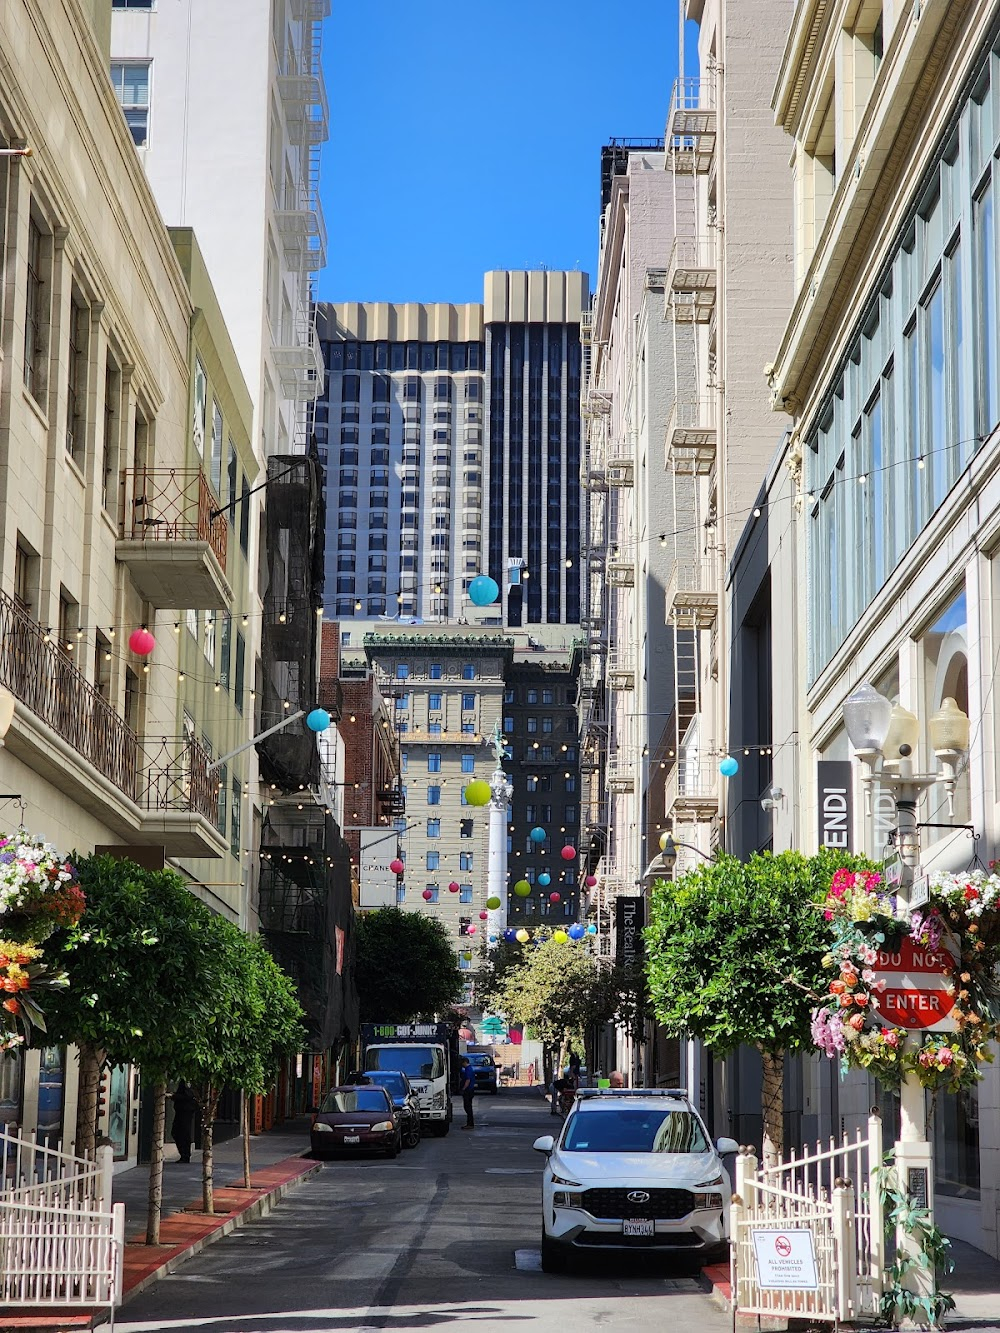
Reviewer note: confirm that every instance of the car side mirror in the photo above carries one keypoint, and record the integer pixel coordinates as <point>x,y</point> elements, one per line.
<point>545,1144</point>
<point>725,1146</point>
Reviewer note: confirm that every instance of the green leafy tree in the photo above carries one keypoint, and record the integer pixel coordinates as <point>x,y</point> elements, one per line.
<point>141,990</point>
<point>734,955</point>
<point>560,991</point>
<point>404,966</point>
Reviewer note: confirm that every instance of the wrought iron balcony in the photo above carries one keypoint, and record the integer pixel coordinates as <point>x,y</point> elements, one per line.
<point>392,801</point>
<point>692,597</point>
<point>174,549</point>
<point>180,798</point>
<point>691,792</point>
<point>691,124</point>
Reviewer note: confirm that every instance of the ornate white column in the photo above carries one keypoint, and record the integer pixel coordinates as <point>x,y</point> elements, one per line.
<point>496,874</point>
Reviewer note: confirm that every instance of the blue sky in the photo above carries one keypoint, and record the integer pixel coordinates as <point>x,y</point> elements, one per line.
<point>467,137</point>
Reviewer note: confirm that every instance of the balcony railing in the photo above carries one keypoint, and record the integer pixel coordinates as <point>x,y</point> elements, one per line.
<point>172,505</point>
<point>175,776</point>
<point>692,790</point>
<point>693,592</point>
<point>42,677</point>
<point>691,437</point>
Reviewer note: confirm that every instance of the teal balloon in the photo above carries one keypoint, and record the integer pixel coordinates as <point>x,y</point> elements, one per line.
<point>729,767</point>
<point>537,835</point>
<point>318,720</point>
<point>591,929</point>
<point>576,932</point>
<point>545,879</point>
<point>483,590</point>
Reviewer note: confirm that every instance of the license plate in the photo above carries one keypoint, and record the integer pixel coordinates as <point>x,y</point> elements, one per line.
<point>352,1138</point>
<point>638,1226</point>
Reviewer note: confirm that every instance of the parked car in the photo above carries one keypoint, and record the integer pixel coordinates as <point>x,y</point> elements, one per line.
<point>356,1119</point>
<point>484,1070</point>
<point>633,1171</point>
<point>404,1099</point>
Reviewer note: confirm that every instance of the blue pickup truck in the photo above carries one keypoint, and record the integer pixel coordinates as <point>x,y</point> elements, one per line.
<point>485,1071</point>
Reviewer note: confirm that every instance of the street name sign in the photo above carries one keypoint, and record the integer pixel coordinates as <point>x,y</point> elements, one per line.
<point>786,1260</point>
<point>916,987</point>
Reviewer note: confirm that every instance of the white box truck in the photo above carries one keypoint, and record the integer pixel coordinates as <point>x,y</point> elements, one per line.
<point>427,1053</point>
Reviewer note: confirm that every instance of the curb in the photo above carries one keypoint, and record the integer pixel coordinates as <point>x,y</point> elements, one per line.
<point>715,1281</point>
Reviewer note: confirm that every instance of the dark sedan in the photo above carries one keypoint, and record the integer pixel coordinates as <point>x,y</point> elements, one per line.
<point>357,1119</point>
<point>404,1099</point>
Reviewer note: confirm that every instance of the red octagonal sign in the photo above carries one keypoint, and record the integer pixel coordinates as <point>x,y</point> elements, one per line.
<point>916,981</point>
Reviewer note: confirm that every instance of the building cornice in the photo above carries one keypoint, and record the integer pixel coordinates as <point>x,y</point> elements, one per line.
<point>795,74</point>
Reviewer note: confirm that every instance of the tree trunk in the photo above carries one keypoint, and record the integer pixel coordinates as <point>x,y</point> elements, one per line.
<point>91,1062</point>
<point>246,1141</point>
<point>773,1105</point>
<point>208,1109</point>
<point>155,1199</point>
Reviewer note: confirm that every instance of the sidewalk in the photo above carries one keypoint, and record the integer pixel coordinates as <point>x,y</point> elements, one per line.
<point>277,1165</point>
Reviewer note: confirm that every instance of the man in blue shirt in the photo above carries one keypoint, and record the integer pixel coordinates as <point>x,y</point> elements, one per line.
<point>467,1087</point>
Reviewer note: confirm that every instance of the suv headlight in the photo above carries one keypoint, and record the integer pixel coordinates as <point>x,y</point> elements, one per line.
<point>559,1180</point>
<point>712,1201</point>
<point>705,1184</point>
<point>322,1127</point>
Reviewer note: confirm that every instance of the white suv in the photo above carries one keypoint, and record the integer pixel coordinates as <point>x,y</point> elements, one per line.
<point>633,1171</point>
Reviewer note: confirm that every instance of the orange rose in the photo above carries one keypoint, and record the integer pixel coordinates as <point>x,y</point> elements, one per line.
<point>837,987</point>
<point>861,998</point>
<point>12,1006</point>
<point>23,983</point>
<point>850,979</point>
<point>846,1001</point>
<point>857,1021</point>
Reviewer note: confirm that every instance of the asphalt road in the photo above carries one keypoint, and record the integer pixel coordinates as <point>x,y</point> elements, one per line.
<point>445,1235</point>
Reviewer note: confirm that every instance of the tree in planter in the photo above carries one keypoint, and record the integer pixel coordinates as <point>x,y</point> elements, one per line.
<point>141,990</point>
<point>734,956</point>
<point>404,965</point>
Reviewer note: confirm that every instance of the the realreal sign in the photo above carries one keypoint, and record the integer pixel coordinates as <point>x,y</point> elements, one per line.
<point>630,917</point>
<point>835,807</point>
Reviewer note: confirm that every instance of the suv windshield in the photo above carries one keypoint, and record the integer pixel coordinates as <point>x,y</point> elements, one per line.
<point>481,1061</point>
<point>354,1099</point>
<point>634,1129</point>
<point>394,1084</point>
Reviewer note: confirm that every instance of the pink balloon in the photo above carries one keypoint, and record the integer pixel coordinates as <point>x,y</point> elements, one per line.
<point>427,895</point>
<point>452,887</point>
<point>141,642</point>
<point>470,930</point>
<point>555,897</point>
<point>396,866</point>
<point>484,916</point>
<point>590,881</point>
<point>568,853</point>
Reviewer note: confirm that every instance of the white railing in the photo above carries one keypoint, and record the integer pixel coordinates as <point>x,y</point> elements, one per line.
<point>831,1192</point>
<point>61,1238</point>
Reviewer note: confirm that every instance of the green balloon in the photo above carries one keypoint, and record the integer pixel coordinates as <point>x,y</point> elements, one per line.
<point>493,903</point>
<point>478,793</point>
<point>522,888</point>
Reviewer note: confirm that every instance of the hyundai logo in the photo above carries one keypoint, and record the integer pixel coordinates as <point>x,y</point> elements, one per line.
<point>638,1196</point>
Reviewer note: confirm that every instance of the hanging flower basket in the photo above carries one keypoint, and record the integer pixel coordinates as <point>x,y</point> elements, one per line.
<point>38,895</point>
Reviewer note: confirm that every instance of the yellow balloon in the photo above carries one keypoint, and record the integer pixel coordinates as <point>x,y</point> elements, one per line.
<point>522,936</point>
<point>560,937</point>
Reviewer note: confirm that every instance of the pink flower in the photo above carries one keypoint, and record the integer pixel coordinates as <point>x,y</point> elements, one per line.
<point>945,1055</point>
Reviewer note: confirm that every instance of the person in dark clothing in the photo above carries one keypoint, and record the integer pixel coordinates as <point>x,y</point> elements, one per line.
<point>182,1131</point>
<point>467,1087</point>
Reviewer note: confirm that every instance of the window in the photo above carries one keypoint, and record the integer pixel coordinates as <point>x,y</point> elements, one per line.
<point>465,860</point>
<point>468,763</point>
<point>433,795</point>
<point>76,380</point>
<point>570,815</point>
<point>435,671</point>
<point>36,312</point>
<point>465,893</point>
<point>434,702</point>
<point>200,416</point>
<point>218,429</point>
<point>235,807</point>
<point>532,696</point>
<point>433,828</point>
<point>548,696</point>
<point>131,4</point>
<point>570,783</point>
<point>433,861</point>
<point>112,417</point>
<point>245,517</point>
<point>240,681</point>
<point>221,796</point>
<point>402,671</point>
<point>225,651</point>
<point>434,762</point>
<point>468,728</point>
<point>468,703</point>
<point>209,644</point>
<point>466,828</point>
<point>464,963</point>
<point>469,671</point>
<point>434,728</point>
<point>400,894</point>
<point>130,80</point>
<point>25,577</point>
<point>508,726</point>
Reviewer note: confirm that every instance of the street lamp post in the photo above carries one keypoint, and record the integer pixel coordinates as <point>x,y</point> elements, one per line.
<point>885,737</point>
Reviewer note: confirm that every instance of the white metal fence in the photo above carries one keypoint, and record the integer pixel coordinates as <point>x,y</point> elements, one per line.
<point>831,1192</point>
<point>61,1238</point>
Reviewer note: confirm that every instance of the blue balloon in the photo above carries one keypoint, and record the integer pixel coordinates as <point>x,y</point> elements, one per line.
<point>318,720</point>
<point>591,929</point>
<point>537,835</point>
<point>576,932</point>
<point>483,590</point>
<point>729,767</point>
<point>545,879</point>
<point>493,939</point>
<point>510,936</point>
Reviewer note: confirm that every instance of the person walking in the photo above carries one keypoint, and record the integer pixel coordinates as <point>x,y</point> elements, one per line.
<point>467,1087</point>
<point>182,1130</point>
<point>531,1074</point>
